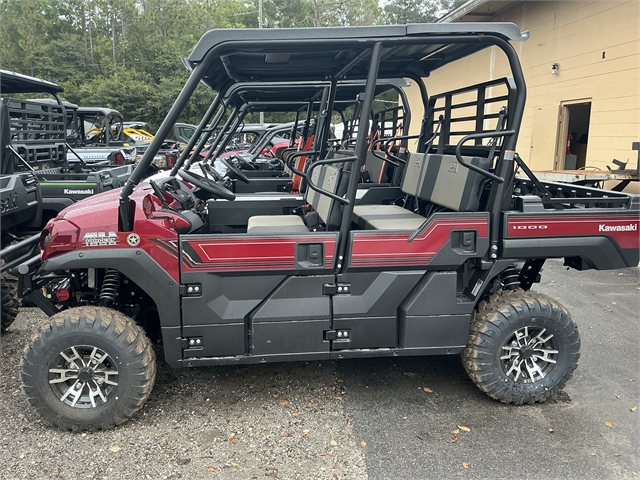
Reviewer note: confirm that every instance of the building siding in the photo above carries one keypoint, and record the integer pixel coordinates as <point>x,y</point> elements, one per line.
<point>596,45</point>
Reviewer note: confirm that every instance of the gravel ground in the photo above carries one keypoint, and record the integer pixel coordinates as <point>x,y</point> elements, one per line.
<point>260,421</point>
<point>358,419</point>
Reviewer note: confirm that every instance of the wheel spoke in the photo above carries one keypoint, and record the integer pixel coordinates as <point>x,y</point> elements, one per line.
<point>539,339</point>
<point>534,370</point>
<point>97,392</point>
<point>97,358</point>
<point>515,368</point>
<point>107,375</point>
<point>65,375</point>
<point>75,392</point>
<point>544,356</point>
<point>512,352</point>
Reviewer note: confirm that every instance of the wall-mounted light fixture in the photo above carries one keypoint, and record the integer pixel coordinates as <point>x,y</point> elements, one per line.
<point>554,68</point>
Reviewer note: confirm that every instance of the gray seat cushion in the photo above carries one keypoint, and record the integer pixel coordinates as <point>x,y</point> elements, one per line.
<point>363,214</point>
<point>395,223</point>
<point>263,224</point>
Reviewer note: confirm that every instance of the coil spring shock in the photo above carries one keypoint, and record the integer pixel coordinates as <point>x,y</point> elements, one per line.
<point>510,279</point>
<point>110,287</point>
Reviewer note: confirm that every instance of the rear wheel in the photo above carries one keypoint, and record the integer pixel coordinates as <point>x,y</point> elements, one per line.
<point>10,301</point>
<point>523,347</point>
<point>89,368</point>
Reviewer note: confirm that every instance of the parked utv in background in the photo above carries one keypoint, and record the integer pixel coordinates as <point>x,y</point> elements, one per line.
<point>439,260</point>
<point>36,135</point>
<point>111,152</point>
<point>20,199</point>
<point>101,134</point>
<point>137,135</point>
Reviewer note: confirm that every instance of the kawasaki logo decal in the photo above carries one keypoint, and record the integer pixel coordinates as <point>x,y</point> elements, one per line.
<point>73,191</point>
<point>632,227</point>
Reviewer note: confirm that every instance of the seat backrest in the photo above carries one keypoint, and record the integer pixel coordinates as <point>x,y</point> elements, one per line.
<point>300,163</point>
<point>440,179</point>
<point>332,179</point>
<point>278,152</point>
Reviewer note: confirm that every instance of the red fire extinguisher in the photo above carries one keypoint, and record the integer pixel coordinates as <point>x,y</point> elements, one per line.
<point>568,144</point>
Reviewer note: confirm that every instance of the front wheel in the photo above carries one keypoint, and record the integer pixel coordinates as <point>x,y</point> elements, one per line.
<point>89,368</point>
<point>523,347</point>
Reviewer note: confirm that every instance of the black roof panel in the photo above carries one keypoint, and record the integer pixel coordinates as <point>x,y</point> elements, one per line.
<point>12,82</point>
<point>312,54</point>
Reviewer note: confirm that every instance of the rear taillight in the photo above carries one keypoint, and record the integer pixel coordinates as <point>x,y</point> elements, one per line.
<point>119,159</point>
<point>171,160</point>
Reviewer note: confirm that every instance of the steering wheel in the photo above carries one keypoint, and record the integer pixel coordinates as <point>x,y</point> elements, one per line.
<point>207,185</point>
<point>241,160</point>
<point>236,171</point>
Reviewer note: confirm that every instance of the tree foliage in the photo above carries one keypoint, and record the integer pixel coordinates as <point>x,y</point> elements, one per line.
<point>126,54</point>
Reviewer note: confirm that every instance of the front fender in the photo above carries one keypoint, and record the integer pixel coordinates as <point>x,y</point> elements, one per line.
<point>140,268</point>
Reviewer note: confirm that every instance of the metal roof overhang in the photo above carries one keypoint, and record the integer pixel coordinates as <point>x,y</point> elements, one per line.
<point>479,10</point>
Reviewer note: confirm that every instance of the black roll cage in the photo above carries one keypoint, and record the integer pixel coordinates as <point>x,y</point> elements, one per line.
<point>451,42</point>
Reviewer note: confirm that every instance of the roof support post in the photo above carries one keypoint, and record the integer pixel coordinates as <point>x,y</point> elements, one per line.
<point>227,132</point>
<point>196,136</point>
<point>171,118</point>
<point>205,138</point>
<point>361,154</point>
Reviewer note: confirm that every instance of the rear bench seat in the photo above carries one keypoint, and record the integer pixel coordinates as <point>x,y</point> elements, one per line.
<point>436,178</point>
<point>327,177</point>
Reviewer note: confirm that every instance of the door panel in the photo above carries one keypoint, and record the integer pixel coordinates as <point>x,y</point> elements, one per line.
<point>292,319</point>
<point>369,312</point>
<point>382,249</point>
<point>253,253</point>
<point>227,277</point>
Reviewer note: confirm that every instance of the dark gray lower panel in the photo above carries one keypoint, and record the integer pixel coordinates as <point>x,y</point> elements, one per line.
<point>600,252</point>
<point>434,331</point>
<point>337,355</point>
<point>369,332</point>
<point>298,336</point>
<point>225,298</point>
<point>216,340</point>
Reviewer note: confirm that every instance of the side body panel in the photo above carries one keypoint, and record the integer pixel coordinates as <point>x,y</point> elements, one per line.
<point>260,294</point>
<point>603,239</point>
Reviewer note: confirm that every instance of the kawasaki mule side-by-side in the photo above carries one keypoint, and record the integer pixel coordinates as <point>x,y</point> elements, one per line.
<point>438,261</point>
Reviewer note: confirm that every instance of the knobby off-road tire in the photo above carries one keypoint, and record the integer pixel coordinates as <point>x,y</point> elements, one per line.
<point>523,347</point>
<point>10,301</point>
<point>89,368</point>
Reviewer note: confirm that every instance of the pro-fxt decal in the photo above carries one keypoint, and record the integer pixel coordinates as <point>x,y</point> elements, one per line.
<point>100,239</point>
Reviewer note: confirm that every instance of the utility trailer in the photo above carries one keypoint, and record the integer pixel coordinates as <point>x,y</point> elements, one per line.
<point>445,268</point>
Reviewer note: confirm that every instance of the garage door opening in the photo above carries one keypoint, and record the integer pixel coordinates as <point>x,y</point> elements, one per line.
<point>573,135</point>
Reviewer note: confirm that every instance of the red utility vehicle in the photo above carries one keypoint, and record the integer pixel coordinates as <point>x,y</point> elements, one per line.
<point>439,261</point>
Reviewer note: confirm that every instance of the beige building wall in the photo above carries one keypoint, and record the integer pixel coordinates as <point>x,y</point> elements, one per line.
<point>596,46</point>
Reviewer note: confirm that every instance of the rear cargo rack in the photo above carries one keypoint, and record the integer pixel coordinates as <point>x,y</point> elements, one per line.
<point>564,196</point>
